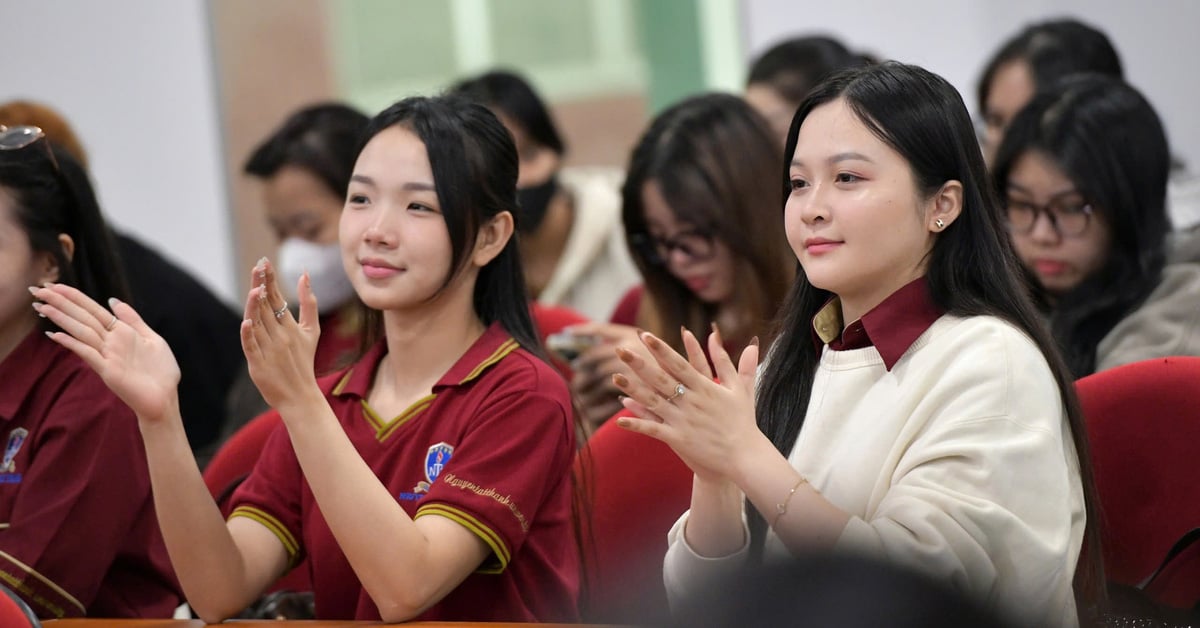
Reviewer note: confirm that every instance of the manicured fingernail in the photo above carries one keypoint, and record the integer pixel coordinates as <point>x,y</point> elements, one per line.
<point>113,301</point>
<point>38,307</point>
<point>33,289</point>
<point>624,422</point>
<point>754,341</point>
<point>620,380</point>
<point>624,354</point>
<point>262,261</point>
<point>649,339</point>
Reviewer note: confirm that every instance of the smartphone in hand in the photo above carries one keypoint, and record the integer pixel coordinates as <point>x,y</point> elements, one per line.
<point>568,346</point>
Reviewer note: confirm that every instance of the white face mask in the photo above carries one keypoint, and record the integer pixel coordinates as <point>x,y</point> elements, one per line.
<point>323,262</point>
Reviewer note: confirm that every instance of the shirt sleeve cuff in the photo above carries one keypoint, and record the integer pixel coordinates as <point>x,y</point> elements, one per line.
<point>685,572</point>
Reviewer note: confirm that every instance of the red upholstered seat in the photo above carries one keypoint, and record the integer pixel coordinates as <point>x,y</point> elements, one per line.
<point>1144,427</point>
<point>230,466</point>
<point>14,612</point>
<point>638,488</point>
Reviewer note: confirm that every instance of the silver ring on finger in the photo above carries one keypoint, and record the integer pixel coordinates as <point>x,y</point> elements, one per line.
<point>679,390</point>
<point>281,311</point>
<point>111,324</point>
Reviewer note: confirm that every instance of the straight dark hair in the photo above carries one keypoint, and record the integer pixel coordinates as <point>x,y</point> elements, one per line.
<point>322,139</point>
<point>51,198</point>
<point>512,95</point>
<point>1053,49</point>
<point>712,157</point>
<point>794,66</point>
<point>474,166</point>
<point>972,268</point>
<point>1109,141</point>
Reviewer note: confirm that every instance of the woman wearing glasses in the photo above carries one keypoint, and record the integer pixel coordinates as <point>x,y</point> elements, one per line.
<point>1083,170</point>
<point>78,533</point>
<point>699,211</point>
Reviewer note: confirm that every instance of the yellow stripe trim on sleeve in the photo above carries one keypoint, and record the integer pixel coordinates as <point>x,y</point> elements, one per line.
<point>44,580</point>
<point>274,525</point>
<point>505,348</point>
<point>489,536</point>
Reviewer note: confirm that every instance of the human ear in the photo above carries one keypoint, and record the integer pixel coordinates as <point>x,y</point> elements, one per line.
<point>945,206</point>
<point>493,236</point>
<point>48,264</point>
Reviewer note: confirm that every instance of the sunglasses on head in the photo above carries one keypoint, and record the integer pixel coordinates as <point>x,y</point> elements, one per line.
<point>18,137</point>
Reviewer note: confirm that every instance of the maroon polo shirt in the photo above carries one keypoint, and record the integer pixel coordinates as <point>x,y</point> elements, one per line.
<point>891,327</point>
<point>491,449</point>
<point>78,533</point>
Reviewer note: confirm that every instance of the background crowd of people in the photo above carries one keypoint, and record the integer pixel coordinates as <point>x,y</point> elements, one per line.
<point>829,317</point>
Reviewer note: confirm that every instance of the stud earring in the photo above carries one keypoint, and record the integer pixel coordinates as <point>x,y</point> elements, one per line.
<point>939,224</point>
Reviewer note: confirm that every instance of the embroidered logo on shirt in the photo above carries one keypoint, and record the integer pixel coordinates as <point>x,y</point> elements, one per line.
<point>435,460</point>
<point>8,465</point>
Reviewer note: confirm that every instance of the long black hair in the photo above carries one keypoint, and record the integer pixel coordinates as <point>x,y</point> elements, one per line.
<point>972,268</point>
<point>712,156</point>
<point>52,197</point>
<point>474,164</point>
<point>1109,141</point>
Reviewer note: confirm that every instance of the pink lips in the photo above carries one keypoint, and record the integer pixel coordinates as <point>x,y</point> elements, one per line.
<point>697,284</point>
<point>1049,267</point>
<point>820,246</point>
<point>378,269</point>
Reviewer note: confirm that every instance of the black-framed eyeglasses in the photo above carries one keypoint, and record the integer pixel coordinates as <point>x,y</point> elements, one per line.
<point>18,137</point>
<point>1067,219</point>
<point>696,244</point>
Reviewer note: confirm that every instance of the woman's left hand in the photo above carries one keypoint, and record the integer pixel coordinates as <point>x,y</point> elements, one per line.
<point>279,349</point>
<point>709,424</point>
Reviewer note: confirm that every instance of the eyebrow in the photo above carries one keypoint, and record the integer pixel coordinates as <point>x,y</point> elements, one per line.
<point>417,186</point>
<point>1057,195</point>
<point>840,157</point>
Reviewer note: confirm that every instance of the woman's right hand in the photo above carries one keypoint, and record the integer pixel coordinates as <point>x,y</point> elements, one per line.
<point>134,362</point>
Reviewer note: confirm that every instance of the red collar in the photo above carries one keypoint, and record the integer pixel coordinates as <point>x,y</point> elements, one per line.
<point>891,327</point>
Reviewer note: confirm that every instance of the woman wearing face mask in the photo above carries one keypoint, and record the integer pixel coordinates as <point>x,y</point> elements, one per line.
<point>429,480</point>
<point>569,219</point>
<point>1083,169</point>
<point>305,166</point>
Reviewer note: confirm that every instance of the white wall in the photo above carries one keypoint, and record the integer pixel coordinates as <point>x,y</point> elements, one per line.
<point>1159,41</point>
<point>135,79</point>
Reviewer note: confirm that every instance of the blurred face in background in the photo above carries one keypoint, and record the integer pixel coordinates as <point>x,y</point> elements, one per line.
<point>1066,252</point>
<point>773,107</point>
<point>304,212</point>
<point>695,257</point>
<point>1012,88</point>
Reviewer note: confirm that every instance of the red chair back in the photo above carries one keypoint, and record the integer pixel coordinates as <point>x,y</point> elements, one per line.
<point>637,488</point>
<point>14,612</point>
<point>230,467</point>
<point>1143,426</point>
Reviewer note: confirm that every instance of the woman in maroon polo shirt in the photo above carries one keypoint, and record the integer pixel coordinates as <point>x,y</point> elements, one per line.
<point>428,481</point>
<point>78,535</point>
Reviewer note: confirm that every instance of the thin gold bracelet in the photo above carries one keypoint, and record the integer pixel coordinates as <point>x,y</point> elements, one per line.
<point>781,507</point>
